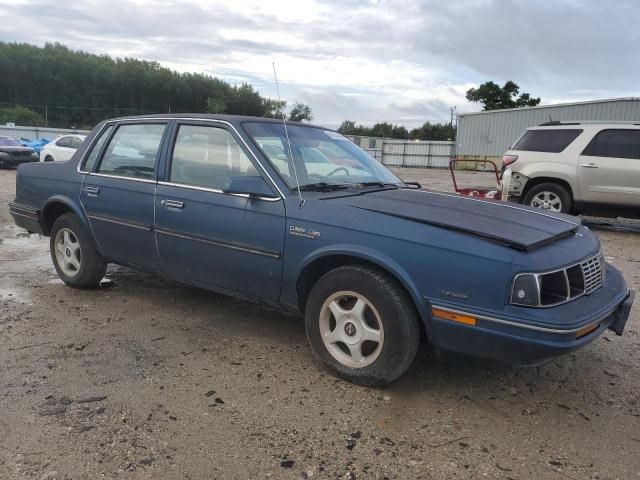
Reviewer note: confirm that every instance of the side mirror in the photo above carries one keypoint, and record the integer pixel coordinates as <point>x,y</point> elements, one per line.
<point>254,186</point>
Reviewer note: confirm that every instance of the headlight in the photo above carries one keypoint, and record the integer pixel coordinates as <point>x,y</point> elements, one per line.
<point>526,290</point>
<point>35,155</point>
<point>554,287</point>
<point>4,155</point>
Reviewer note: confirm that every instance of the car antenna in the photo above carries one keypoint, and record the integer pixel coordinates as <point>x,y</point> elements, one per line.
<point>286,133</point>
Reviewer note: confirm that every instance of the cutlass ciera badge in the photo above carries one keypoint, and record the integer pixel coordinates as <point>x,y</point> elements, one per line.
<point>303,232</point>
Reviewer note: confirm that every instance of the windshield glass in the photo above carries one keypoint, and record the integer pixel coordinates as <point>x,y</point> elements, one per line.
<point>9,142</point>
<point>320,156</point>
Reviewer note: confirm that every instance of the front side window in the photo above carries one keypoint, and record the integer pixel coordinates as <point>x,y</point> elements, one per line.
<point>90,162</point>
<point>207,157</point>
<point>9,142</point>
<point>132,151</point>
<point>548,141</point>
<point>319,156</point>
<point>616,143</point>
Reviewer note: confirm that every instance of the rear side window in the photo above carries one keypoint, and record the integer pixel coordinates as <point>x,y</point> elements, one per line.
<point>75,142</point>
<point>64,142</point>
<point>550,141</point>
<point>90,162</point>
<point>616,143</point>
<point>132,151</point>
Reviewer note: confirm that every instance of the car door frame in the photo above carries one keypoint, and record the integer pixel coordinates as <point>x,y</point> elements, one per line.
<point>93,173</point>
<point>164,173</point>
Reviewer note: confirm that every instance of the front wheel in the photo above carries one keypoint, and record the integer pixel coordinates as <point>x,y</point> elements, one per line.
<point>74,254</point>
<point>48,158</point>
<point>549,196</point>
<point>362,325</point>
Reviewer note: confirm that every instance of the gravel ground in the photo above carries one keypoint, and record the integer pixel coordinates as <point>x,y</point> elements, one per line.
<point>147,379</point>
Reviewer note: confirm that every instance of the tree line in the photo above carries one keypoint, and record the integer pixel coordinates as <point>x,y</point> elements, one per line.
<point>427,131</point>
<point>67,88</point>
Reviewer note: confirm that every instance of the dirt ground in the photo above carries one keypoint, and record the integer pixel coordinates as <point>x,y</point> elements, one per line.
<point>147,379</point>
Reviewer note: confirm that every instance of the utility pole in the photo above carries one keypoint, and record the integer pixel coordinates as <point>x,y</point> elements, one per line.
<point>453,111</point>
<point>46,116</point>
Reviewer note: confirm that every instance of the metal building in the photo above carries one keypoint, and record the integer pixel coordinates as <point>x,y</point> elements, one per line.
<point>489,134</point>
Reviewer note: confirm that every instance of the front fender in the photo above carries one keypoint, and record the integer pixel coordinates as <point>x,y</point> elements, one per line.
<point>375,257</point>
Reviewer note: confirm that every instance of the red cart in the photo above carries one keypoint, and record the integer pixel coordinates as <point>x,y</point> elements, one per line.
<point>482,192</point>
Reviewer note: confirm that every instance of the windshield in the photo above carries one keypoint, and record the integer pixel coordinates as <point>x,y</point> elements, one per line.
<point>9,142</point>
<point>321,157</point>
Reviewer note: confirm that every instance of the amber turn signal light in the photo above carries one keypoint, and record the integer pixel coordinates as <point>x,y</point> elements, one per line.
<point>454,317</point>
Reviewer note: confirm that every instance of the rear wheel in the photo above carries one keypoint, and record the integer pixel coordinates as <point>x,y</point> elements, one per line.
<point>549,196</point>
<point>362,325</point>
<point>74,255</point>
<point>48,158</point>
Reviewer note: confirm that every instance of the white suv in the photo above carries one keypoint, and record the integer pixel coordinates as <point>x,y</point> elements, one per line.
<point>580,167</point>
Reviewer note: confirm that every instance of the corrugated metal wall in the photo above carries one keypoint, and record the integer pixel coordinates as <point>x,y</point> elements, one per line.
<point>406,153</point>
<point>489,134</point>
<point>33,133</point>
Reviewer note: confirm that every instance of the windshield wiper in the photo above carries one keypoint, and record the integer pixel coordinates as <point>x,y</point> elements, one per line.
<point>377,184</point>
<point>322,187</point>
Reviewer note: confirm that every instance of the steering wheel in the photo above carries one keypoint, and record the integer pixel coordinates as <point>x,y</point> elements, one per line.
<point>337,170</point>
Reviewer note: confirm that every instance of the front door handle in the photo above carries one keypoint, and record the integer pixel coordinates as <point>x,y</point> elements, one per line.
<point>589,165</point>
<point>92,190</point>
<point>172,203</point>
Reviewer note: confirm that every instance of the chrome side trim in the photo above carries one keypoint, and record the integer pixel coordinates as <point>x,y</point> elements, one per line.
<point>20,206</point>
<point>217,243</point>
<point>501,204</point>
<point>133,179</point>
<point>522,325</point>
<point>26,215</point>
<point>120,222</point>
<point>215,190</point>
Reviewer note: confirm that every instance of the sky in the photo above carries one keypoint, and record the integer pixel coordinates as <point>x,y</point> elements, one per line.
<point>404,61</point>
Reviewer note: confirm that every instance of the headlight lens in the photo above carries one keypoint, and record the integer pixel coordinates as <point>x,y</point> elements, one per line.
<point>526,290</point>
<point>35,155</point>
<point>4,155</point>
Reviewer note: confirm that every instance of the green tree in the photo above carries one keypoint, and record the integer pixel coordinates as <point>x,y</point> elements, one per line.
<point>82,89</point>
<point>300,112</point>
<point>274,108</point>
<point>20,116</point>
<point>433,131</point>
<point>494,97</point>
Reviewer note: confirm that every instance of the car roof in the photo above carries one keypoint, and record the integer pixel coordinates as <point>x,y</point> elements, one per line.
<point>212,116</point>
<point>598,124</point>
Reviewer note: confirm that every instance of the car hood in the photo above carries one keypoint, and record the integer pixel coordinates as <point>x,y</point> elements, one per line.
<point>513,225</point>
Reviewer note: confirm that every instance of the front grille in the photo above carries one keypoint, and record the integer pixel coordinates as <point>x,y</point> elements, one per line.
<point>592,272</point>
<point>572,282</point>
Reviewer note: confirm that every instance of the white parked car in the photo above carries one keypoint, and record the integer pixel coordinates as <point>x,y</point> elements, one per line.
<point>576,167</point>
<point>61,149</point>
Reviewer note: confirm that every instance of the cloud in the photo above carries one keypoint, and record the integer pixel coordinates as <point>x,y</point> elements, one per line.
<point>403,61</point>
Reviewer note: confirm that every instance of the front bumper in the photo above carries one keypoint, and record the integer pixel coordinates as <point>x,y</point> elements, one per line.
<point>14,162</point>
<point>528,344</point>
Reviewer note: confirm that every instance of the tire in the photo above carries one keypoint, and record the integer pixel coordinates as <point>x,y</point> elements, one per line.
<point>388,310</point>
<point>48,158</point>
<point>74,254</point>
<point>549,196</point>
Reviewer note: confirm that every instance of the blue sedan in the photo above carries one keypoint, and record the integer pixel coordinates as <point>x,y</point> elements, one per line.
<point>298,217</point>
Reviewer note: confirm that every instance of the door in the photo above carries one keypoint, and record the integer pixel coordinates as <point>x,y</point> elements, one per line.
<point>209,237</point>
<point>118,196</point>
<point>609,168</point>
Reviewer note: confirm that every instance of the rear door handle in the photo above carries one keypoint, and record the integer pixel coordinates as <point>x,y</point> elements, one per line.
<point>92,190</point>
<point>589,165</point>
<point>172,203</point>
